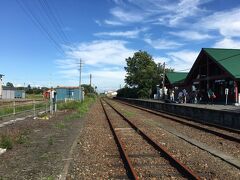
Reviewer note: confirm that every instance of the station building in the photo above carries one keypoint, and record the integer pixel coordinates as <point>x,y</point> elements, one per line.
<point>69,93</point>
<point>175,79</point>
<point>218,70</point>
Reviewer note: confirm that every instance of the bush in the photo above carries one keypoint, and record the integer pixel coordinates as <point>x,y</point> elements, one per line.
<point>80,108</point>
<point>128,92</point>
<point>71,105</point>
<point>143,93</point>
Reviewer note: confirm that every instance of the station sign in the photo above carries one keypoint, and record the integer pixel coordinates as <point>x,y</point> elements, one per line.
<point>226,91</point>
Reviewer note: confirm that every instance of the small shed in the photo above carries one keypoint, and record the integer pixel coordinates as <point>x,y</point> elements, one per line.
<point>8,93</point>
<point>69,93</point>
<point>20,94</point>
<point>12,93</point>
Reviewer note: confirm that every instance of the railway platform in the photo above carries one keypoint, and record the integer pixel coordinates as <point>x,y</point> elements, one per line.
<point>223,115</point>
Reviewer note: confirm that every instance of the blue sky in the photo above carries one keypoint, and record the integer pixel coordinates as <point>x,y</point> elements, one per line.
<point>41,41</point>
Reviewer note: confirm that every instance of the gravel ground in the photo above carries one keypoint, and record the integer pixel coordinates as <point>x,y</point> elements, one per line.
<point>42,150</point>
<point>147,162</point>
<point>206,165</point>
<point>96,155</point>
<point>224,145</point>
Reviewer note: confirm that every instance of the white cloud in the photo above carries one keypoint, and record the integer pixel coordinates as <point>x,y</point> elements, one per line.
<point>226,22</point>
<point>159,59</point>
<point>184,9</point>
<point>101,52</point>
<point>108,79</point>
<point>127,34</point>
<point>191,35</point>
<point>127,16</point>
<point>182,60</point>
<point>162,43</point>
<point>114,23</point>
<point>98,22</point>
<point>104,59</point>
<point>157,11</point>
<point>227,43</point>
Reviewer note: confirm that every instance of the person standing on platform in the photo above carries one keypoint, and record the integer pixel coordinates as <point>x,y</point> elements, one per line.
<point>184,96</point>
<point>211,95</point>
<point>180,97</point>
<point>172,95</point>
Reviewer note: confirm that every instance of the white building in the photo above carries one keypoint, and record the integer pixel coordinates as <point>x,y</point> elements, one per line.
<point>10,92</point>
<point>111,93</point>
<point>1,75</point>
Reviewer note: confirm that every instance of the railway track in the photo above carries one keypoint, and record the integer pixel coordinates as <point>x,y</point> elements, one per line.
<point>223,132</point>
<point>142,156</point>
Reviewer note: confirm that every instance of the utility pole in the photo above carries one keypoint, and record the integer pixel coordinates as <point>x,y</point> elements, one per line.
<point>90,79</point>
<point>164,80</point>
<point>80,80</point>
<point>90,82</point>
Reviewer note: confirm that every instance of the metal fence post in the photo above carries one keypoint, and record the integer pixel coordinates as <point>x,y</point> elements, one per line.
<point>46,106</point>
<point>34,108</point>
<point>14,108</point>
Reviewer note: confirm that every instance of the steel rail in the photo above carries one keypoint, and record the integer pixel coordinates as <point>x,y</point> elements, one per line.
<point>175,162</point>
<point>121,146</point>
<point>171,117</point>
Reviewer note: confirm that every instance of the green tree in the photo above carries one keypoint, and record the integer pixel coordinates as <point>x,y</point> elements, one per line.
<point>88,89</point>
<point>143,73</point>
<point>9,84</point>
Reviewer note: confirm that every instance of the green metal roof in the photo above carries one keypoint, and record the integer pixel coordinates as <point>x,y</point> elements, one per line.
<point>228,58</point>
<point>176,77</point>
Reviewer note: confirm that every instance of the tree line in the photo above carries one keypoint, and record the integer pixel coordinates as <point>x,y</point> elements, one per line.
<point>39,90</point>
<point>143,75</point>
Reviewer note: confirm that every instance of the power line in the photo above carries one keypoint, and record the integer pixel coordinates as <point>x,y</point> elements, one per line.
<point>46,19</point>
<point>39,25</point>
<point>53,20</point>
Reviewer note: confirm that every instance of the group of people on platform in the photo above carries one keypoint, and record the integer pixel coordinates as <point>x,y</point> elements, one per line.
<point>195,96</point>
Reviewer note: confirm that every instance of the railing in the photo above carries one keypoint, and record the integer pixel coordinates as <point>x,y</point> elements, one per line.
<point>14,108</point>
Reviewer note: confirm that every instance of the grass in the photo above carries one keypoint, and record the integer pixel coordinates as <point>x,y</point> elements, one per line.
<point>129,114</point>
<point>44,156</point>
<point>20,108</point>
<point>79,108</point>
<point>72,117</point>
<point>5,111</point>
<point>34,96</point>
<point>50,140</point>
<point>6,142</point>
<point>22,139</point>
<point>60,125</point>
<point>48,178</point>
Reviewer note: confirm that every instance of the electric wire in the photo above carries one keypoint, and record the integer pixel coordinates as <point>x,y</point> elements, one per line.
<point>36,21</point>
<point>53,20</point>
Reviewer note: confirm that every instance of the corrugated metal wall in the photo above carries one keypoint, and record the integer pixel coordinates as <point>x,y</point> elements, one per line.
<point>19,94</point>
<point>8,94</point>
<point>66,93</point>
